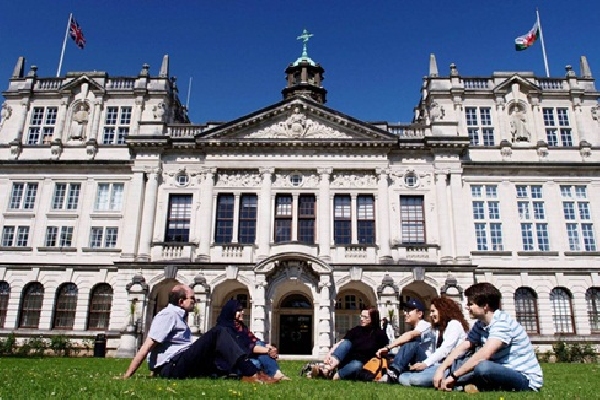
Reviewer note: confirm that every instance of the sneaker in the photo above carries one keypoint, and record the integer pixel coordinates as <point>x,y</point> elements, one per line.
<point>392,376</point>
<point>384,378</point>
<point>306,369</point>
<point>470,388</point>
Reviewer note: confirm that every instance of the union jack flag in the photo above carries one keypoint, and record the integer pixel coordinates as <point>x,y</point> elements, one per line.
<point>76,33</point>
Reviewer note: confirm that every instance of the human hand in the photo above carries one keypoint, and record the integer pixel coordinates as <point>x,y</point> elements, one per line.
<point>382,352</point>
<point>418,366</point>
<point>273,352</point>
<point>438,378</point>
<point>448,384</point>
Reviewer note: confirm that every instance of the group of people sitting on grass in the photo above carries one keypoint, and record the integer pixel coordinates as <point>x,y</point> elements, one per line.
<point>495,354</point>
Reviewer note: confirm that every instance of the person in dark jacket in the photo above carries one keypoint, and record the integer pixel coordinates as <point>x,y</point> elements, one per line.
<point>358,346</point>
<point>264,356</point>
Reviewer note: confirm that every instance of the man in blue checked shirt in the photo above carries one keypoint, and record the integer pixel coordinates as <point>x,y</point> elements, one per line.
<point>505,359</point>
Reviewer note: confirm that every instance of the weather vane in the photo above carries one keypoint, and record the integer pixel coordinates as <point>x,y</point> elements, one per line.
<point>304,37</point>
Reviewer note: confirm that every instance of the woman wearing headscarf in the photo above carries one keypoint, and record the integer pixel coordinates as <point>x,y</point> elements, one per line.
<point>264,356</point>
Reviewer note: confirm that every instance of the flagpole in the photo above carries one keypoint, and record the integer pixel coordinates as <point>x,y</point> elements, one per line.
<point>64,46</point>
<point>537,13</point>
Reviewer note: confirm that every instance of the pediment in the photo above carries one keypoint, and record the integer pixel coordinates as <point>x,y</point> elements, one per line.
<point>525,85</point>
<point>76,83</point>
<point>297,120</point>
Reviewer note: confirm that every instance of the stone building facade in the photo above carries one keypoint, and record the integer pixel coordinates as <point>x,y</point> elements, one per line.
<point>110,196</point>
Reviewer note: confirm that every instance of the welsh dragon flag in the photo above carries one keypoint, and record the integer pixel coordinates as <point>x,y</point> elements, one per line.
<point>523,42</point>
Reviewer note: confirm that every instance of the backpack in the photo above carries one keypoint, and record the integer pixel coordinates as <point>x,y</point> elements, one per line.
<point>373,369</point>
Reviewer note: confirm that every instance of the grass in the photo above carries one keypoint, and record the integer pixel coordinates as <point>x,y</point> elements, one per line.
<point>92,378</point>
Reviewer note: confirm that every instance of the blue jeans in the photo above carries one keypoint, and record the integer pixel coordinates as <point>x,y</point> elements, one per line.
<point>264,362</point>
<point>350,368</point>
<point>489,375</point>
<point>409,353</point>
<point>422,378</point>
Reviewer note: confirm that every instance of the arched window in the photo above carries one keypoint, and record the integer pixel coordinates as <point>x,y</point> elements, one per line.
<point>4,295</point>
<point>64,306</point>
<point>99,307</point>
<point>562,311</point>
<point>296,301</point>
<point>347,312</point>
<point>527,310</point>
<point>31,305</point>
<point>592,298</point>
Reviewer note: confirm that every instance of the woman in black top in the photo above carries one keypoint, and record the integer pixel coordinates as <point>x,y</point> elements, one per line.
<point>358,346</point>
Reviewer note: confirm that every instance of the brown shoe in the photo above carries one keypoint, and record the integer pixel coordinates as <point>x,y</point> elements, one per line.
<point>259,378</point>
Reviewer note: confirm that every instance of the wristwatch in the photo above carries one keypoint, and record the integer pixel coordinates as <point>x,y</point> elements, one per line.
<point>454,376</point>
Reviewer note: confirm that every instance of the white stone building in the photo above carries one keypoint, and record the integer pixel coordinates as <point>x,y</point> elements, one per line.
<point>109,196</point>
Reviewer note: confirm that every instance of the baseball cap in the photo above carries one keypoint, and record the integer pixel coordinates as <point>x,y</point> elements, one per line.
<point>414,304</point>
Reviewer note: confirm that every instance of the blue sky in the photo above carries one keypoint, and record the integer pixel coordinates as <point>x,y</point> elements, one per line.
<point>375,53</point>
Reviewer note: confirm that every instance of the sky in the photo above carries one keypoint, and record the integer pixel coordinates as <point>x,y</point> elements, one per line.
<point>375,53</point>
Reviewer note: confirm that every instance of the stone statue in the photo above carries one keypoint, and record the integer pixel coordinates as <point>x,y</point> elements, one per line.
<point>518,126</point>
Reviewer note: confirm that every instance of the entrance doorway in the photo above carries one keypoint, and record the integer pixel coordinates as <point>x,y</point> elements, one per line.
<point>296,325</point>
<point>295,334</point>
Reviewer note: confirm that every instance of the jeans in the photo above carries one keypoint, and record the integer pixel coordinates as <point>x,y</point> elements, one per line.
<point>422,378</point>
<point>264,362</point>
<point>489,375</point>
<point>409,353</point>
<point>350,368</point>
<point>216,346</point>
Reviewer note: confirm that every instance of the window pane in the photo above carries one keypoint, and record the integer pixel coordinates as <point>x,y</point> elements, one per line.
<point>179,218</point>
<point>412,219</point>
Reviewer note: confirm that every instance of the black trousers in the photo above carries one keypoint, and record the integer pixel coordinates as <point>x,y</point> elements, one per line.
<point>200,359</point>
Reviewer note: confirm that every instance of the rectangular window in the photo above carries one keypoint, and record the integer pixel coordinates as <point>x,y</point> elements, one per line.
<point>534,228</point>
<point>577,214</point>
<point>283,218</point>
<point>8,236</point>
<point>66,196</point>
<point>41,126</point>
<point>224,223</point>
<point>103,237</point>
<point>59,236</point>
<point>365,219</point>
<point>487,227</point>
<point>9,239</point>
<point>342,220</point>
<point>561,131</point>
<point>247,223</point>
<point>23,195</point>
<point>109,197</point>
<point>306,219</point>
<point>480,130</point>
<point>179,218</point>
<point>116,125</point>
<point>412,215</point>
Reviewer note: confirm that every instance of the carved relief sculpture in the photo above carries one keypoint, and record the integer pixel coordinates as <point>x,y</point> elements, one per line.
<point>5,113</point>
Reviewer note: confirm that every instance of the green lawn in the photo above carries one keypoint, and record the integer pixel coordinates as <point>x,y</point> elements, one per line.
<point>93,378</point>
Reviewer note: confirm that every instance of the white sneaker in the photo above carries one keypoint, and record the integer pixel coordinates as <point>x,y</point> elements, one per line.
<point>384,378</point>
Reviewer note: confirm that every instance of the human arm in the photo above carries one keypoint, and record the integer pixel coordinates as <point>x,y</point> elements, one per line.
<point>438,378</point>
<point>490,347</point>
<point>140,357</point>
<point>453,335</point>
<point>266,349</point>
<point>399,341</point>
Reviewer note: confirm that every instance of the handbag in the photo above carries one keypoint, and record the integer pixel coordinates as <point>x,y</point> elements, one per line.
<point>373,369</point>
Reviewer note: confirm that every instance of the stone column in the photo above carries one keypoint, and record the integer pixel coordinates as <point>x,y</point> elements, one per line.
<point>131,228</point>
<point>264,213</point>
<point>236,218</point>
<point>137,297</point>
<point>383,219</point>
<point>93,133</point>
<point>148,215</point>
<point>445,235</point>
<point>201,292</point>
<point>61,120</point>
<point>324,221</point>
<point>459,211</point>
<point>324,340</point>
<point>353,220</point>
<point>258,307</point>
<point>206,215</point>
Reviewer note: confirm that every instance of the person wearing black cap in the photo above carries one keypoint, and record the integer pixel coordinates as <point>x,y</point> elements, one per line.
<point>415,345</point>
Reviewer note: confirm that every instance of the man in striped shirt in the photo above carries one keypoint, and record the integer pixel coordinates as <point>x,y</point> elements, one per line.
<point>503,358</point>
